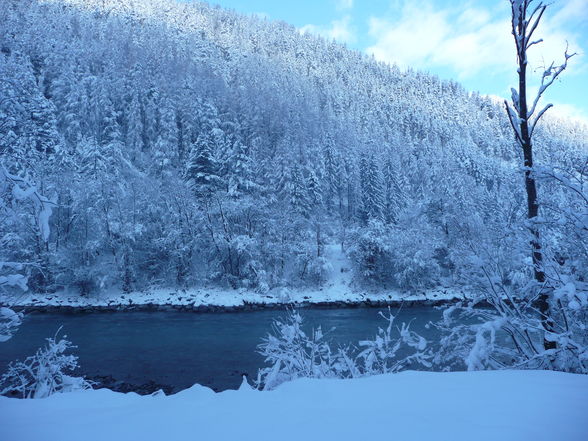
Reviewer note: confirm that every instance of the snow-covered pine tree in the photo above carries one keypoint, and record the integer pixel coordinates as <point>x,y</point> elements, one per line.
<point>372,192</point>
<point>299,198</point>
<point>165,149</point>
<point>332,175</point>
<point>394,189</point>
<point>92,162</point>
<point>134,126</point>
<point>202,168</point>
<point>241,179</point>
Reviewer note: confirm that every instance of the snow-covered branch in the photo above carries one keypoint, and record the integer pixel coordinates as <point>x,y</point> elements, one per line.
<point>11,278</point>
<point>23,189</point>
<point>514,120</point>
<point>540,8</point>
<point>44,373</point>
<point>523,29</point>
<point>547,78</point>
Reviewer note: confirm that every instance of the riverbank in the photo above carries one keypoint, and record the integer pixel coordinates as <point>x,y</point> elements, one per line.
<point>218,300</point>
<point>482,406</point>
<point>338,291</point>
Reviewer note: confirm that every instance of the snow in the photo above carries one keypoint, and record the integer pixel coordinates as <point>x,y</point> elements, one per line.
<point>216,297</point>
<point>485,405</point>
<point>9,323</point>
<point>341,275</point>
<point>338,288</point>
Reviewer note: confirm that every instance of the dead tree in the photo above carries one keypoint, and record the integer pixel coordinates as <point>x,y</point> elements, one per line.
<point>523,119</point>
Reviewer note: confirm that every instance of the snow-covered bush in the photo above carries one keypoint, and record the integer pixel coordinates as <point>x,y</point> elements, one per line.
<point>387,254</point>
<point>9,323</point>
<point>504,326</point>
<point>370,251</point>
<point>388,353</point>
<point>11,273</point>
<point>85,279</point>
<point>318,269</point>
<point>44,373</point>
<point>414,263</point>
<point>509,334</point>
<point>292,353</point>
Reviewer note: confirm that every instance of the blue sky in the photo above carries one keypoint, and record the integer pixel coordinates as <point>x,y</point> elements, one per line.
<point>465,40</point>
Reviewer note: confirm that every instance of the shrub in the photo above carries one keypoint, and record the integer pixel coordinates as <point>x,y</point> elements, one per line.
<point>403,257</point>
<point>44,373</point>
<point>9,323</point>
<point>292,353</point>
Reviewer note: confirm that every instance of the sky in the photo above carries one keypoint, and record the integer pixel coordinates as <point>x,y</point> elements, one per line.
<point>465,40</point>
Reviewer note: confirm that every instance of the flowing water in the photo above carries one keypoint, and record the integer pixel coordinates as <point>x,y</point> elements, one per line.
<point>180,349</point>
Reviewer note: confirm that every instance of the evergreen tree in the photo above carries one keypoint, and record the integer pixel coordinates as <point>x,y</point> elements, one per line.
<point>332,175</point>
<point>202,170</point>
<point>299,198</point>
<point>241,175</point>
<point>315,196</point>
<point>372,194</point>
<point>92,161</point>
<point>165,150</point>
<point>68,100</point>
<point>134,126</point>
<point>394,185</point>
<point>150,118</point>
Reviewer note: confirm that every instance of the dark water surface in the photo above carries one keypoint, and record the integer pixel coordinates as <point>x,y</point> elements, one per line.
<point>183,348</point>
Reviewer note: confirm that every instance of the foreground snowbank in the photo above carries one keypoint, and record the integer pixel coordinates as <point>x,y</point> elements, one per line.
<point>498,405</point>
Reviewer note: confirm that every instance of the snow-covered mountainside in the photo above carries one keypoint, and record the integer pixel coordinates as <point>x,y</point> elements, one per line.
<point>504,405</point>
<point>187,146</point>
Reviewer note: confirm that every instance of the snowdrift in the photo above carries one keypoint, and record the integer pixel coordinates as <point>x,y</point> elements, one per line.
<point>497,405</point>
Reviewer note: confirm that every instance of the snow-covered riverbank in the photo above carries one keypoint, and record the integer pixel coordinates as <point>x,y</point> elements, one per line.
<point>215,299</point>
<point>486,405</point>
<point>337,291</point>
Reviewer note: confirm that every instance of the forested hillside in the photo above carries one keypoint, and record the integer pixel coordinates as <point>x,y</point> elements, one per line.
<point>185,145</point>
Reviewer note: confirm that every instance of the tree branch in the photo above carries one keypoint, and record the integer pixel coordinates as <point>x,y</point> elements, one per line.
<point>516,129</point>
<point>549,76</point>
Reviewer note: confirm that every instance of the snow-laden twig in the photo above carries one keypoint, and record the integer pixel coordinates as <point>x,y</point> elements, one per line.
<point>44,373</point>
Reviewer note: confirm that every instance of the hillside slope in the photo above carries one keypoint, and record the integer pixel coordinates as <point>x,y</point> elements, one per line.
<point>189,146</point>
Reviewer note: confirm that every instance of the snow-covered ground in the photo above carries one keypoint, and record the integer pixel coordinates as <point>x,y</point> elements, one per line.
<point>419,406</point>
<point>338,288</point>
<point>215,297</point>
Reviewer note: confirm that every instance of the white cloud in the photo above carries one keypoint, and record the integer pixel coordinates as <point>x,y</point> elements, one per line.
<point>339,30</point>
<point>343,5</point>
<point>412,40</point>
<point>572,10</point>
<point>468,40</point>
<point>570,111</point>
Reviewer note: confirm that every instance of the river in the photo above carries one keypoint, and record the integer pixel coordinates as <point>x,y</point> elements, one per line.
<point>180,349</point>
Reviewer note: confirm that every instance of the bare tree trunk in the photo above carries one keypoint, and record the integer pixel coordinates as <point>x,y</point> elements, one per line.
<point>524,120</point>
<point>533,205</point>
<point>319,245</point>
